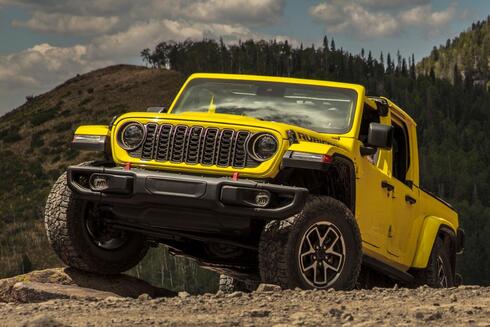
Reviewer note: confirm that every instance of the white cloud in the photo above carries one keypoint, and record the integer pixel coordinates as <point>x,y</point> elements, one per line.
<point>44,66</point>
<point>39,69</point>
<point>425,16</point>
<point>115,31</point>
<point>251,11</point>
<point>220,11</point>
<point>68,24</point>
<point>385,4</point>
<point>380,18</point>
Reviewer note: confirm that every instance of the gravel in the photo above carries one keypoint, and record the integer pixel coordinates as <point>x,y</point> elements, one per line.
<point>465,305</point>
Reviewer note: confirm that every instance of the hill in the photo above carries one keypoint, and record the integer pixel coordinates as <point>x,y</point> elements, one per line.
<point>35,149</point>
<point>466,57</point>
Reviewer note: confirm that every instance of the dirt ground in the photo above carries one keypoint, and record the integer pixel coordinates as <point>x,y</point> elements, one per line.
<point>465,305</point>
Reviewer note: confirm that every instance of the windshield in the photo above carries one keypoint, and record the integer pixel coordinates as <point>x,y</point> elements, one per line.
<point>319,108</point>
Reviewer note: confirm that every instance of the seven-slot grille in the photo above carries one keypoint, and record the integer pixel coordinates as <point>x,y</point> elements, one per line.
<point>195,145</point>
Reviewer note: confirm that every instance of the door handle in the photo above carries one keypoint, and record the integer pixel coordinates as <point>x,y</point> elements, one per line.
<point>410,200</point>
<point>387,186</point>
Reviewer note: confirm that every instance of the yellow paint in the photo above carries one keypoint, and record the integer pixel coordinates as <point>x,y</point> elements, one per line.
<point>427,236</point>
<point>212,106</point>
<point>93,130</point>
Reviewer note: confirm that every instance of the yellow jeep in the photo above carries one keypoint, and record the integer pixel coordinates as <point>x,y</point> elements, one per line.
<point>285,181</point>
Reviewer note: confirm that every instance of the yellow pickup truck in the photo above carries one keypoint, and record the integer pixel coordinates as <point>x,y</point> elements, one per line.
<point>286,181</point>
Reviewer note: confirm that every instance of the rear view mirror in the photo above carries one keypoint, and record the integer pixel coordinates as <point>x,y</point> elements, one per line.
<point>380,135</point>
<point>156,109</point>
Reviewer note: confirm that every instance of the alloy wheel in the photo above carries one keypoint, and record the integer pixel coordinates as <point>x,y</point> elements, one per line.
<point>100,235</point>
<point>441,273</point>
<point>321,254</point>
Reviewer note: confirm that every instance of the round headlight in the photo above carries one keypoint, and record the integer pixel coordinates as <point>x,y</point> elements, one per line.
<point>132,135</point>
<point>263,147</point>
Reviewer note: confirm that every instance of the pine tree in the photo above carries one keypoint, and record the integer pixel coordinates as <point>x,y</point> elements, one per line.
<point>325,44</point>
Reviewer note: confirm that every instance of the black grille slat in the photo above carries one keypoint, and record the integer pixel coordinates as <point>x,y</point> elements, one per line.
<point>163,146</point>
<point>178,147</point>
<point>225,146</point>
<point>195,145</point>
<point>148,144</point>
<point>209,146</point>
<point>240,154</point>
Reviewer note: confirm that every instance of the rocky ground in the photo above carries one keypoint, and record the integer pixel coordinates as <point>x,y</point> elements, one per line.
<point>50,303</point>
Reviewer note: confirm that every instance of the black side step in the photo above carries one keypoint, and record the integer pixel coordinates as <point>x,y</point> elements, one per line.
<point>388,270</point>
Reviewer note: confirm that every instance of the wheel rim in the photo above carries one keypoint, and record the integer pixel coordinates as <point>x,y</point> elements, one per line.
<point>321,254</point>
<point>441,272</point>
<point>100,235</point>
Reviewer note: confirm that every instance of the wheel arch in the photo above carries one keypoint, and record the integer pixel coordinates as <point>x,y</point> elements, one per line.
<point>432,228</point>
<point>336,179</point>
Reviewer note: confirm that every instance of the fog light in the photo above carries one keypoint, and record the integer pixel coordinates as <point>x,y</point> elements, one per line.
<point>262,199</point>
<point>99,182</point>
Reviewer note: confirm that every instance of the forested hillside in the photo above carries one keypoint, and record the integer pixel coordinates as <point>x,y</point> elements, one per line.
<point>453,120</point>
<point>34,139</point>
<point>467,56</point>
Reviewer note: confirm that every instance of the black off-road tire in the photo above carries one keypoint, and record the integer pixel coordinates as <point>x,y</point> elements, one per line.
<point>228,284</point>
<point>279,261</point>
<point>64,219</point>
<point>431,275</point>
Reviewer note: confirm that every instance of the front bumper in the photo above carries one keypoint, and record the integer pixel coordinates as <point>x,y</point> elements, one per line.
<point>178,193</point>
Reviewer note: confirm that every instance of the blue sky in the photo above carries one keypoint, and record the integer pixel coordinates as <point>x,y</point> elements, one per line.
<point>45,42</point>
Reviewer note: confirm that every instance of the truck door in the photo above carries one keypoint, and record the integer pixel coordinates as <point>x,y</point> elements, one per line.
<point>373,204</point>
<point>401,231</point>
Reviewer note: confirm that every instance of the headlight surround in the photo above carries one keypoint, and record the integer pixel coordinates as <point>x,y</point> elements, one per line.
<point>263,146</point>
<point>131,136</point>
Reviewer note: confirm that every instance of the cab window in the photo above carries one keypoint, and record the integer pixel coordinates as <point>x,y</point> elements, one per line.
<point>401,151</point>
<point>369,115</point>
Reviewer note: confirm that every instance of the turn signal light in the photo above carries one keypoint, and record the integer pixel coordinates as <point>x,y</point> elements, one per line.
<point>327,159</point>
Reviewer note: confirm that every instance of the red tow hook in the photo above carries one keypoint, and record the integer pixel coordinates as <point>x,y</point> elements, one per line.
<point>127,166</point>
<point>235,176</point>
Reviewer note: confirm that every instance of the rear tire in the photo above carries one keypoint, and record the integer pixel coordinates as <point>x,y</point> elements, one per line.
<point>317,248</point>
<point>439,272</point>
<point>74,234</point>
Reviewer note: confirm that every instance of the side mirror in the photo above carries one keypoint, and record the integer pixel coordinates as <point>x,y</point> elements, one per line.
<point>157,109</point>
<point>380,136</point>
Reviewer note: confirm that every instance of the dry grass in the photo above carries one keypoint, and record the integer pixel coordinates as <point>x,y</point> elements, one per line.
<point>24,246</point>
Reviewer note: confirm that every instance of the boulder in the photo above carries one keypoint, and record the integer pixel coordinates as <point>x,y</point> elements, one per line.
<point>268,288</point>
<point>61,283</point>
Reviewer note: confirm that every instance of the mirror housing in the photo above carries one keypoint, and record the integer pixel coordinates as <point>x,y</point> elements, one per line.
<point>157,109</point>
<point>380,136</point>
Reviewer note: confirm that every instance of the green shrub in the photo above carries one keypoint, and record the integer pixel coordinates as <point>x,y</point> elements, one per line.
<point>43,116</point>
<point>11,136</point>
<point>71,154</point>
<point>56,143</point>
<point>86,100</point>
<point>37,141</point>
<point>62,126</point>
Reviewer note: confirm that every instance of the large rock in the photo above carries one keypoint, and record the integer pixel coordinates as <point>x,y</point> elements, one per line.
<point>61,283</point>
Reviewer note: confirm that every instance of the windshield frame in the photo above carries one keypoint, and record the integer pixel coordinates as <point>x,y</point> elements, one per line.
<point>352,89</point>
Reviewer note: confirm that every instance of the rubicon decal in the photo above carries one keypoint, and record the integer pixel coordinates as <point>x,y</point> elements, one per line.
<point>309,138</point>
